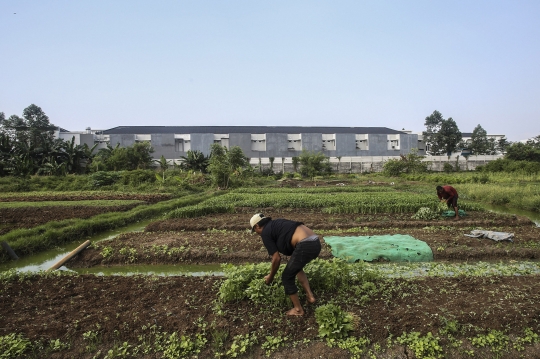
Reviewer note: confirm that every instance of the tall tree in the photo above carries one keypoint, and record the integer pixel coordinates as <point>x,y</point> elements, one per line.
<point>529,151</point>
<point>140,155</point>
<point>441,136</point>
<point>431,136</point>
<point>224,163</point>
<point>450,136</point>
<point>479,142</point>
<point>502,145</point>
<point>40,130</point>
<point>314,164</point>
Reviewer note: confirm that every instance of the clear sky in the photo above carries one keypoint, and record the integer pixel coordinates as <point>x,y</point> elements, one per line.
<point>102,63</point>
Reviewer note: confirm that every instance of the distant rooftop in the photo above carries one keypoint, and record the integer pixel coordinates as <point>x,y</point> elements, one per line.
<point>123,130</point>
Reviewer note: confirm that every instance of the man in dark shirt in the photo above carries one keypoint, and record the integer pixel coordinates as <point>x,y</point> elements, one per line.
<point>292,239</point>
<point>450,196</point>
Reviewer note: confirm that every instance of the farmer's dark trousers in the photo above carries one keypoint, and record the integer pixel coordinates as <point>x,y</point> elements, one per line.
<point>306,250</point>
<point>453,202</point>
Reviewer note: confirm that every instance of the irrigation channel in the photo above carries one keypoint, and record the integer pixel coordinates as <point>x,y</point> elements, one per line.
<point>44,260</point>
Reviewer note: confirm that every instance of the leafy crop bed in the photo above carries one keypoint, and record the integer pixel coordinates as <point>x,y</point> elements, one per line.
<point>339,202</point>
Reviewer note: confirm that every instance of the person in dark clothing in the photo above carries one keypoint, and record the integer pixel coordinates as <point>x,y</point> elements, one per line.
<point>292,239</point>
<point>450,196</point>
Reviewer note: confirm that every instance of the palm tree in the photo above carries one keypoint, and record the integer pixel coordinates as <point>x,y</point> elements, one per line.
<point>195,160</point>
<point>163,165</point>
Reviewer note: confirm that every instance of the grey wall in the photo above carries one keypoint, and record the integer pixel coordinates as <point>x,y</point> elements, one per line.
<point>345,145</point>
<point>123,140</point>
<point>242,140</point>
<point>164,145</point>
<point>378,146</point>
<point>276,144</point>
<point>202,142</point>
<point>407,143</point>
<point>87,138</point>
<point>312,142</point>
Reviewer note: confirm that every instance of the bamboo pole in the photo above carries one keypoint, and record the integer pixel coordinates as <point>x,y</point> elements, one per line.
<point>70,255</point>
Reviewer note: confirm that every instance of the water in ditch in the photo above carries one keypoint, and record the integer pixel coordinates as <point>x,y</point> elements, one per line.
<point>45,260</point>
<point>533,216</point>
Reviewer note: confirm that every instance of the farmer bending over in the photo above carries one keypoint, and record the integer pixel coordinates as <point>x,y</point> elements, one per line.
<point>450,196</point>
<point>292,239</point>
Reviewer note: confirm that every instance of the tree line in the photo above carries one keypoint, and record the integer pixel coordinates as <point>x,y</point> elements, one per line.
<point>28,147</point>
<point>442,137</point>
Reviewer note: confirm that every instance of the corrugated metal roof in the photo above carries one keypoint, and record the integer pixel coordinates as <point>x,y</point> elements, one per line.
<point>122,130</point>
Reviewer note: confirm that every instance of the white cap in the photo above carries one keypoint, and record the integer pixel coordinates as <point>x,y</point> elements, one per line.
<point>255,219</point>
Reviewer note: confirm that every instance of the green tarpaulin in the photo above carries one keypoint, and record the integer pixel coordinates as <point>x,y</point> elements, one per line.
<point>461,213</point>
<point>393,248</point>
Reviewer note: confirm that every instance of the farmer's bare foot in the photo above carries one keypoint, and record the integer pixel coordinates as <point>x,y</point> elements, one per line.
<point>456,218</point>
<point>295,312</point>
<point>311,300</point>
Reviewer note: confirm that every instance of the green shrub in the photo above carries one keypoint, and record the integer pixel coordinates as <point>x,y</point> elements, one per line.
<point>13,346</point>
<point>200,210</point>
<point>333,322</point>
<point>423,346</point>
<point>238,280</point>
<point>496,340</point>
<point>447,167</point>
<point>102,178</point>
<point>507,165</point>
<point>138,177</point>
<point>426,214</point>
<point>246,281</point>
<point>182,346</point>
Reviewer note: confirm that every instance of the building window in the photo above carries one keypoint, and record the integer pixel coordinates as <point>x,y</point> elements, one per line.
<point>182,142</point>
<point>392,142</point>
<point>328,142</point>
<point>294,142</point>
<point>143,138</point>
<point>258,142</point>
<point>222,139</point>
<point>362,142</point>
